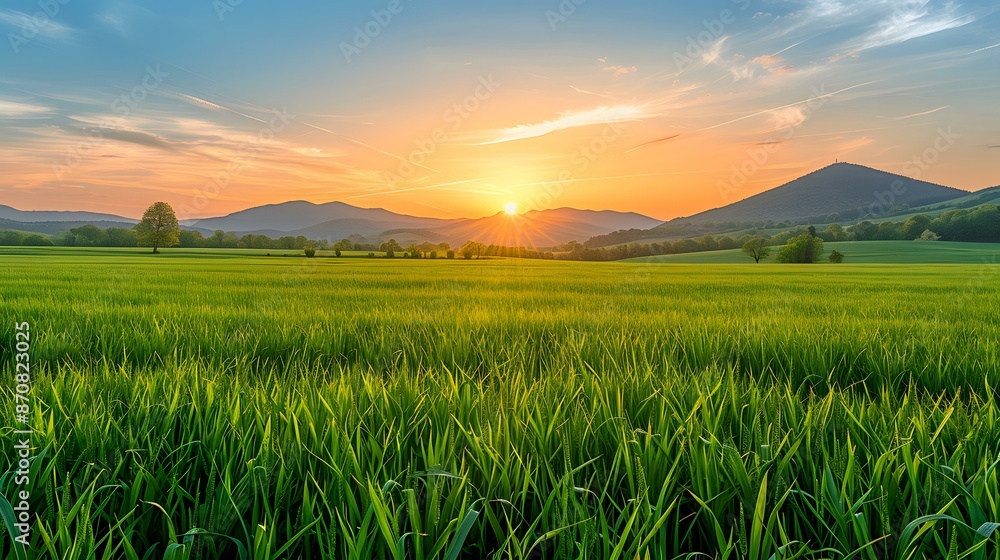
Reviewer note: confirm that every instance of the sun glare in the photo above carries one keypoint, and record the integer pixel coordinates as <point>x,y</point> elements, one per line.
<point>510,208</point>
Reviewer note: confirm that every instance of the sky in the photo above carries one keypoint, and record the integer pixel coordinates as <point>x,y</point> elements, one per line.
<point>450,109</point>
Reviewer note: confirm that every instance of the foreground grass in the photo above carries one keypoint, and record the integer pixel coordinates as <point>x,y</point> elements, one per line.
<point>286,408</point>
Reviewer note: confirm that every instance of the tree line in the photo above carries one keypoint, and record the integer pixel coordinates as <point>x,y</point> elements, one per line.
<point>158,229</point>
<point>979,224</point>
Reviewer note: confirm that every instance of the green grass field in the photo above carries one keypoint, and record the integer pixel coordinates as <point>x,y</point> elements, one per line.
<point>862,252</point>
<point>216,404</point>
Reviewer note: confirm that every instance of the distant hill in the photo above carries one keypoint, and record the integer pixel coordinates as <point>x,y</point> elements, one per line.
<point>81,218</point>
<point>985,196</point>
<point>299,215</point>
<point>842,188</point>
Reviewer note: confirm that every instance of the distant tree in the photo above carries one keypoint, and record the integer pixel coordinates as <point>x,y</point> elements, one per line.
<point>10,238</point>
<point>256,241</point>
<point>158,228</point>
<point>725,242</point>
<point>336,251</point>
<point>864,231</point>
<point>89,236</point>
<point>472,248</point>
<point>434,255</point>
<point>191,239</point>
<point>888,231</point>
<point>708,242</point>
<point>444,247</point>
<point>802,249</point>
<point>36,240</point>
<point>756,250</point>
<point>390,247</point>
<point>413,251</point>
<point>218,237</point>
<point>230,241</point>
<point>812,231</point>
<point>685,246</point>
<point>309,251</point>
<point>450,254</point>
<point>836,257</point>
<point>929,235</point>
<point>915,225</point>
<point>834,232</point>
<point>121,237</point>
<point>343,245</point>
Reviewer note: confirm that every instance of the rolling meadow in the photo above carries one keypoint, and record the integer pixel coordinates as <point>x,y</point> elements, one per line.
<point>229,404</point>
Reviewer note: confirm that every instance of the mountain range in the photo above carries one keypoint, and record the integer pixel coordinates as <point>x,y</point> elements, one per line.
<point>336,220</point>
<point>840,192</point>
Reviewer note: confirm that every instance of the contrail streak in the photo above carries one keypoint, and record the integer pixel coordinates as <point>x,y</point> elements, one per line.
<point>542,183</point>
<point>210,105</point>
<point>789,48</point>
<point>922,114</point>
<point>394,191</point>
<point>369,146</point>
<point>984,49</point>
<point>765,111</point>
<point>651,143</point>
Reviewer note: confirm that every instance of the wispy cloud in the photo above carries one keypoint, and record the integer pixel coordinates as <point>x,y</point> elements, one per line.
<point>123,17</point>
<point>567,119</point>
<point>715,51</point>
<point>620,71</point>
<point>14,109</point>
<point>870,24</point>
<point>912,19</point>
<point>47,28</point>
<point>789,117</point>
<point>583,91</point>
<point>768,64</point>
<point>136,137</point>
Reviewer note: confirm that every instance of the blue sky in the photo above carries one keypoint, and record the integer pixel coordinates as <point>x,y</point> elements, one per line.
<point>454,109</point>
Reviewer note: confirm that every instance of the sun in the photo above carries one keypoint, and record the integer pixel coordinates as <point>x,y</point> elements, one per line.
<point>510,208</point>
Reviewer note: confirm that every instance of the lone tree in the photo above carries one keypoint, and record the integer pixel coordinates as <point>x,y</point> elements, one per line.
<point>158,227</point>
<point>756,250</point>
<point>836,257</point>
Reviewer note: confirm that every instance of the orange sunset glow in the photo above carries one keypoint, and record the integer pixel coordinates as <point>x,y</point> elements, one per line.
<point>684,111</point>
